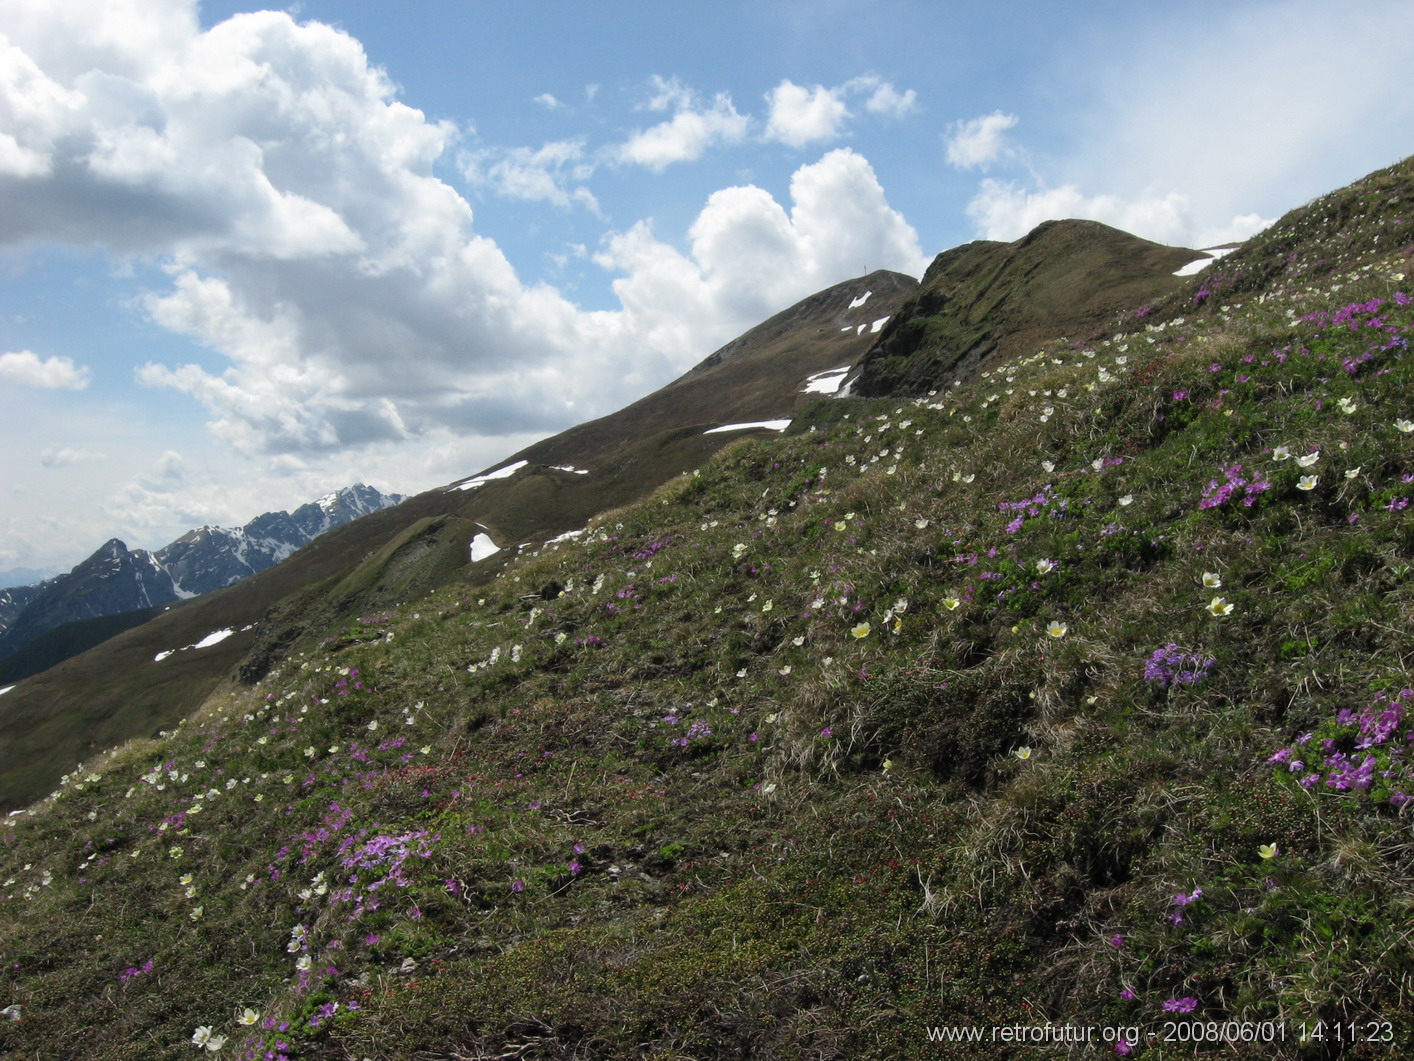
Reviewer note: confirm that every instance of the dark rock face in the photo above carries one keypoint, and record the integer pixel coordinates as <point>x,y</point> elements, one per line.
<point>114,579</point>
<point>987,301</point>
<point>14,600</point>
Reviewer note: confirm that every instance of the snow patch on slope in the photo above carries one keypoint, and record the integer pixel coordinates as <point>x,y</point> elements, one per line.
<point>213,638</point>
<point>826,382</point>
<point>482,480</point>
<point>1199,264</point>
<point>770,425</point>
<point>482,546</point>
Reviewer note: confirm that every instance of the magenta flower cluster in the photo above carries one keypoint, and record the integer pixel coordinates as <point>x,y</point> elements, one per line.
<point>652,547</point>
<point>1171,665</point>
<point>1030,506</point>
<point>1234,482</point>
<point>1180,901</point>
<point>381,857</point>
<point>133,971</point>
<point>1368,752</point>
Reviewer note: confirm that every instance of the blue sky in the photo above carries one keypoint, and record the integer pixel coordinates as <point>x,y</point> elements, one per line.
<point>248,256</point>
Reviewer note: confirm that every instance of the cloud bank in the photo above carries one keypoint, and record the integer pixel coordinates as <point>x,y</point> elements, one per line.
<point>295,207</point>
<point>28,369</point>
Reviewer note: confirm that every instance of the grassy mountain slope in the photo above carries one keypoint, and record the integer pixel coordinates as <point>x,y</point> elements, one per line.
<point>987,302</point>
<point>117,690</point>
<point>754,377</point>
<point>68,640</point>
<point>1075,696</point>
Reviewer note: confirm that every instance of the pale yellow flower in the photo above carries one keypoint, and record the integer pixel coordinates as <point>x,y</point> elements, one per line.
<point>1219,606</point>
<point>1056,629</point>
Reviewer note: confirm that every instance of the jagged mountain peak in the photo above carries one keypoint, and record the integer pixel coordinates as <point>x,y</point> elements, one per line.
<point>116,580</point>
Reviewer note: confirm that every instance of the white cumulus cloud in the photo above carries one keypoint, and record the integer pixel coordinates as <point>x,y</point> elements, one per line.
<point>28,369</point>
<point>346,290</point>
<point>552,173</point>
<point>979,141</point>
<point>801,115</point>
<point>748,253</point>
<point>884,98</point>
<point>63,456</point>
<point>694,127</point>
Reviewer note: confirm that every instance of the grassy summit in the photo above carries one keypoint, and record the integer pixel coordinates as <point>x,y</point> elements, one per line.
<point>1073,696</point>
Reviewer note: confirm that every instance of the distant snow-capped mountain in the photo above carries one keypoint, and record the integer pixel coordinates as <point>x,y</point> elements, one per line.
<point>211,558</point>
<point>117,579</point>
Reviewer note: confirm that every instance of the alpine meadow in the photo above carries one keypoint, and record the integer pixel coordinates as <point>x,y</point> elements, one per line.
<point>1044,691</point>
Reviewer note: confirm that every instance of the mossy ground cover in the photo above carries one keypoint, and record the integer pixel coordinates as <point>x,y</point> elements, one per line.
<point>1074,696</point>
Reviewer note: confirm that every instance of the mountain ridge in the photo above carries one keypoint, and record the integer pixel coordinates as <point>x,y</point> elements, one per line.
<point>1066,708</point>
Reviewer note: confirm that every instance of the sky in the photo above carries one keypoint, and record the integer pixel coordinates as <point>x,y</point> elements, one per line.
<point>249,256</point>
